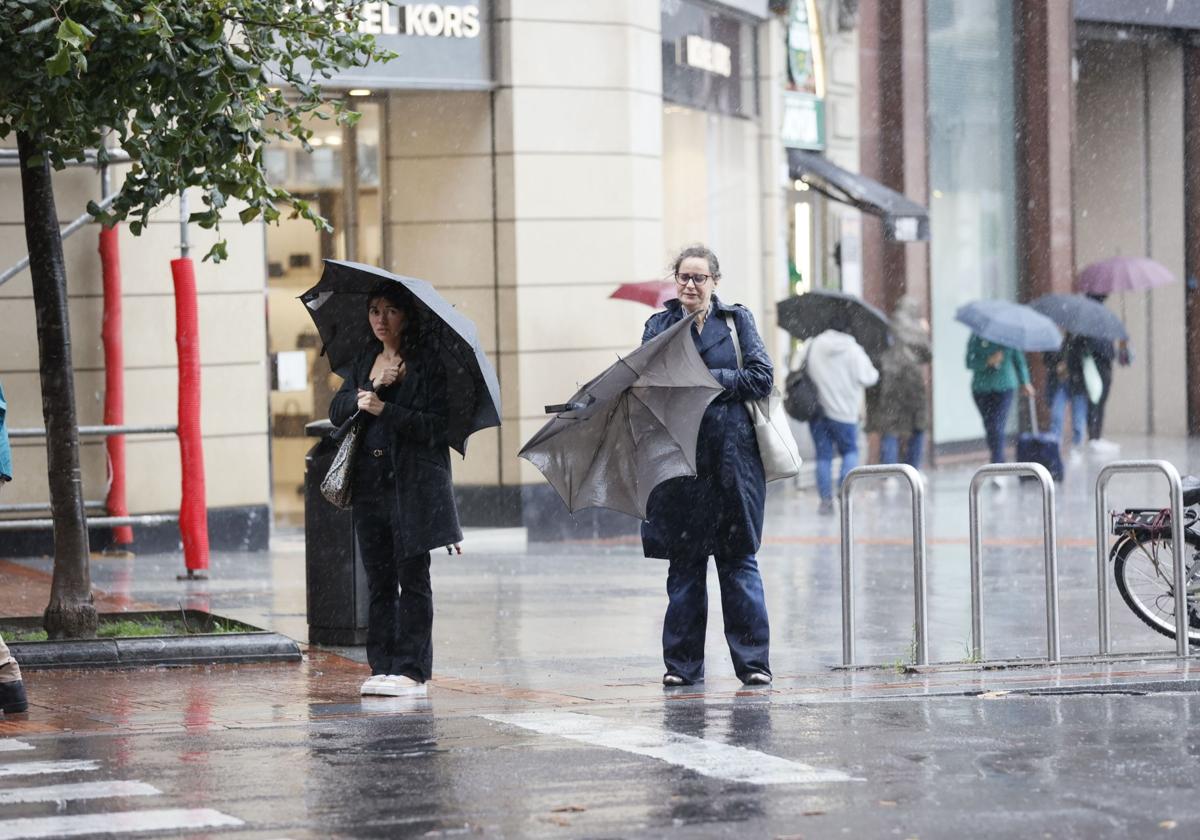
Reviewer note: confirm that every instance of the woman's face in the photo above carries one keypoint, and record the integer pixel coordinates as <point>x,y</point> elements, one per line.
<point>694,283</point>
<point>387,320</point>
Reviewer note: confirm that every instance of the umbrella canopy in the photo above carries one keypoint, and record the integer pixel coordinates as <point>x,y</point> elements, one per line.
<point>653,293</point>
<point>631,428</point>
<point>810,314</point>
<point>338,307</point>
<point>1081,315</point>
<point>1123,274</point>
<point>1011,324</point>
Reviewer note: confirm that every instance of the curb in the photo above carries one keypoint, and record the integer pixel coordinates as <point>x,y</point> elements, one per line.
<point>226,648</point>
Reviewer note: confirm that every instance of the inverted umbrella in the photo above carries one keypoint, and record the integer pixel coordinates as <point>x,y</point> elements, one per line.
<point>1011,324</point>
<point>1123,274</point>
<point>653,293</point>
<point>810,314</point>
<point>631,428</point>
<point>1081,315</point>
<point>338,308</point>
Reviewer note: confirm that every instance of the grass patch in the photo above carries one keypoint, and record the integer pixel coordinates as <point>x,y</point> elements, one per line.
<point>147,627</point>
<point>11,635</point>
<point>113,628</point>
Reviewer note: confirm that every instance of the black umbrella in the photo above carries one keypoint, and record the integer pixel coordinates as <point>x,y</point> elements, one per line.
<point>338,307</point>
<point>631,428</point>
<point>808,315</point>
<point>1081,315</point>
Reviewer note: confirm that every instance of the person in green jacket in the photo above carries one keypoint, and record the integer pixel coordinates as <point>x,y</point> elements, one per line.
<point>12,687</point>
<point>997,373</point>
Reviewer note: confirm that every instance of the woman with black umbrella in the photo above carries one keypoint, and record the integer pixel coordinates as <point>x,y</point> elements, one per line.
<point>403,498</point>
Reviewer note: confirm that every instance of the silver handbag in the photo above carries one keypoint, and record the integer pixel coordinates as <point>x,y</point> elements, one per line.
<point>776,443</point>
<point>336,485</point>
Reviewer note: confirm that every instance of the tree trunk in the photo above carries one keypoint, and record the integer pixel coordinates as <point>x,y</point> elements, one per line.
<point>71,613</point>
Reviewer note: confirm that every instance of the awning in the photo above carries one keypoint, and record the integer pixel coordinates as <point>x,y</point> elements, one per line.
<point>903,219</point>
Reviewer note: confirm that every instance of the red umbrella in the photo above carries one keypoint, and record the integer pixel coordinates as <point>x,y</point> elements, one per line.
<point>1123,274</point>
<point>653,293</point>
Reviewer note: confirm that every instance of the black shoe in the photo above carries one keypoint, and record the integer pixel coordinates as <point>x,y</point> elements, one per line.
<point>756,678</point>
<point>12,698</point>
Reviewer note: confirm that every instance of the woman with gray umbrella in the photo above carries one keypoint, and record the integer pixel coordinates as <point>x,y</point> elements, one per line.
<point>719,512</point>
<point>403,498</point>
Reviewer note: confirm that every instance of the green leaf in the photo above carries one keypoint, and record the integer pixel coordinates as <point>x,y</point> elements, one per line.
<point>40,26</point>
<point>60,63</point>
<point>216,104</point>
<point>248,215</point>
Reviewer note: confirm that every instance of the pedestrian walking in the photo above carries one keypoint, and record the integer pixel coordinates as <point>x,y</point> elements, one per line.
<point>719,512</point>
<point>841,371</point>
<point>997,371</point>
<point>1065,385</point>
<point>12,687</point>
<point>402,496</point>
<point>1103,353</point>
<point>897,407</point>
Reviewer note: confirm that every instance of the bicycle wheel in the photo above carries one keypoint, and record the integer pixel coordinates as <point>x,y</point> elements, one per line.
<point>1146,580</point>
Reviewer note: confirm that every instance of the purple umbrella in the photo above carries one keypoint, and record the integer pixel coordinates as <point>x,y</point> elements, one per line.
<point>1123,274</point>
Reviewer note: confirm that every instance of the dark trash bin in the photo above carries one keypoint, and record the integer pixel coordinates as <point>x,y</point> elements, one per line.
<point>336,582</point>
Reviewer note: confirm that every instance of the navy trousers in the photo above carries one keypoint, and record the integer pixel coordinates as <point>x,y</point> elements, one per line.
<point>400,614</point>
<point>742,605</point>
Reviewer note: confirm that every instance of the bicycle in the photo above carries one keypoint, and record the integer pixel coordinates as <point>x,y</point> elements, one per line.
<point>1143,566</point>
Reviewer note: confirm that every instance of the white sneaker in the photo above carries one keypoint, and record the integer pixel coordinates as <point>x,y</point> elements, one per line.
<point>372,684</point>
<point>1076,455</point>
<point>399,686</point>
<point>1101,445</point>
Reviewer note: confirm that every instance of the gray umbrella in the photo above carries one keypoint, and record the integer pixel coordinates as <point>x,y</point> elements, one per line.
<point>631,428</point>
<point>1081,315</point>
<point>1011,324</point>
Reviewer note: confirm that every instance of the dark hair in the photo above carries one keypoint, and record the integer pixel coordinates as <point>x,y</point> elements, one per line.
<point>701,251</point>
<point>397,296</point>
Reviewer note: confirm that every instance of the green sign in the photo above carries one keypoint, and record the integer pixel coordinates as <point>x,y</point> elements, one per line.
<point>803,125</point>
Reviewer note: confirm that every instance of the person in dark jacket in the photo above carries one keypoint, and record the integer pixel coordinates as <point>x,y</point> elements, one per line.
<point>1103,353</point>
<point>996,371</point>
<point>897,408</point>
<point>1065,385</point>
<point>402,494</point>
<point>718,513</point>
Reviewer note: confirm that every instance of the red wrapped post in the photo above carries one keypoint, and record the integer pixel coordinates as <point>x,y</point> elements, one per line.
<point>193,508</point>
<point>114,380</point>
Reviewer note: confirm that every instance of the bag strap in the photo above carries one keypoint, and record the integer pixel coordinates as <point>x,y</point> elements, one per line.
<point>737,342</point>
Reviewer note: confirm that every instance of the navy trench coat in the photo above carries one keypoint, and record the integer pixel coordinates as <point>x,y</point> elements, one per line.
<point>414,413</point>
<point>720,511</point>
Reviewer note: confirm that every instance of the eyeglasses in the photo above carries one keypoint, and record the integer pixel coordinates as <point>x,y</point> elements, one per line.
<point>696,280</point>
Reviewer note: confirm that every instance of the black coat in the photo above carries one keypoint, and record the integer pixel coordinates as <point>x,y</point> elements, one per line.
<point>720,511</point>
<point>414,414</point>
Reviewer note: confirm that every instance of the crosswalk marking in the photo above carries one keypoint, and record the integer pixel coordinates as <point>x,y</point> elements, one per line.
<point>12,745</point>
<point>119,823</point>
<point>73,792</point>
<point>41,768</point>
<point>709,758</point>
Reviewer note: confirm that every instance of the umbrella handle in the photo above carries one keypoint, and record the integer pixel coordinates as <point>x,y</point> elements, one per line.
<point>564,407</point>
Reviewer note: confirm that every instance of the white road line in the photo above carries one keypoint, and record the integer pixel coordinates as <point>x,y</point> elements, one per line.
<point>80,790</point>
<point>709,758</point>
<point>119,823</point>
<point>41,768</point>
<point>12,745</point>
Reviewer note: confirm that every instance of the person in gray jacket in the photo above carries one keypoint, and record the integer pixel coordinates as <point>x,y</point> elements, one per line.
<point>841,372</point>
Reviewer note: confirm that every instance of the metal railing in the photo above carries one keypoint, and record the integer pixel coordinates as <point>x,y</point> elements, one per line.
<point>92,521</point>
<point>1168,471</point>
<point>1049,541</point>
<point>917,486</point>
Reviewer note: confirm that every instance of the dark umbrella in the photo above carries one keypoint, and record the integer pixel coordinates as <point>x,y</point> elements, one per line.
<point>1011,324</point>
<point>653,293</point>
<point>631,428</point>
<point>810,314</point>
<point>1123,274</point>
<point>1081,315</point>
<point>338,307</point>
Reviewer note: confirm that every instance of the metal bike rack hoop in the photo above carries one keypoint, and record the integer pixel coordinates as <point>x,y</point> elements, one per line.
<point>1167,470</point>
<point>917,485</point>
<point>1049,542</point>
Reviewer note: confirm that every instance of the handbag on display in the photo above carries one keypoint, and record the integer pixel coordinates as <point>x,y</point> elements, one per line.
<point>776,444</point>
<point>338,481</point>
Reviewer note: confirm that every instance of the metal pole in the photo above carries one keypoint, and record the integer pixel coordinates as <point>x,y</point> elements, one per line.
<point>99,431</point>
<point>183,223</point>
<point>1102,560</point>
<point>847,576</point>
<point>1178,556</point>
<point>919,589</point>
<point>1049,548</point>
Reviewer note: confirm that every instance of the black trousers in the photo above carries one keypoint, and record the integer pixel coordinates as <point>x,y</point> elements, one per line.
<point>400,619</point>
<point>1096,410</point>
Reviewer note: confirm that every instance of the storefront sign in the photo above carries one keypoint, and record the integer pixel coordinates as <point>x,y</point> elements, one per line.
<point>803,125</point>
<point>438,46</point>
<point>708,59</point>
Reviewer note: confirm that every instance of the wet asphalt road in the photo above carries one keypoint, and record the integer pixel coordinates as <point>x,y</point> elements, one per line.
<point>1060,767</point>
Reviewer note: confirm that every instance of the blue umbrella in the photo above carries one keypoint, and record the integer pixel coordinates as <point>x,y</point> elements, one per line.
<point>1011,324</point>
<point>1081,315</point>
